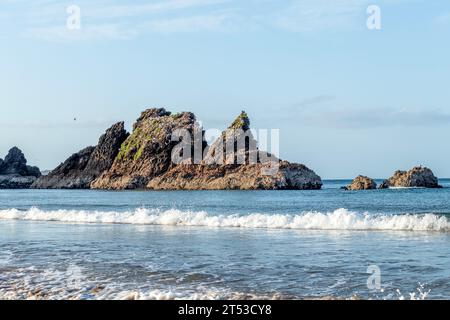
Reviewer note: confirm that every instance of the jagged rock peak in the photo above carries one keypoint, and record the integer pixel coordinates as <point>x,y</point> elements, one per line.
<point>14,172</point>
<point>241,122</point>
<point>15,163</point>
<point>154,113</point>
<point>15,155</point>
<point>107,149</point>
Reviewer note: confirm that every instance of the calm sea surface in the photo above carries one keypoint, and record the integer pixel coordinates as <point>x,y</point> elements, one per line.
<point>57,244</point>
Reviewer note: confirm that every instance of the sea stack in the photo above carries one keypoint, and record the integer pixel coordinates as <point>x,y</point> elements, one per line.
<point>143,160</point>
<point>14,171</point>
<point>417,177</point>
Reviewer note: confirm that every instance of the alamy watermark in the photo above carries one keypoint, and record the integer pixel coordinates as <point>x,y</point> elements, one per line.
<point>374,280</point>
<point>232,147</point>
<point>73,21</point>
<point>374,19</point>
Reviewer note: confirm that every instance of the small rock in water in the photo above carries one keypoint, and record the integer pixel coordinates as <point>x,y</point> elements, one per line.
<point>417,177</point>
<point>361,183</point>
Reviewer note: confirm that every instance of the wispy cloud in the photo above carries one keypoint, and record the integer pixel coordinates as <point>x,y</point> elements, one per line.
<point>133,10</point>
<point>212,22</point>
<point>328,111</point>
<point>46,19</point>
<point>94,123</point>
<point>351,118</point>
<point>109,20</point>
<point>314,101</point>
<point>314,15</point>
<point>90,32</point>
<point>443,19</point>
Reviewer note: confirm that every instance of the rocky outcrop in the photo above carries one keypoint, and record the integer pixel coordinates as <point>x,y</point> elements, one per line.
<point>145,159</point>
<point>15,163</point>
<point>146,153</point>
<point>417,177</point>
<point>361,183</point>
<point>14,171</point>
<point>81,168</point>
<point>15,181</point>
<point>151,158</point>
<point>237,177</point>
<point>69,174</point>
<point>243,169</point>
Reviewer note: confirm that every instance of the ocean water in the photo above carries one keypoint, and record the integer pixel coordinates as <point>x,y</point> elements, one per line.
<point>62,244</point>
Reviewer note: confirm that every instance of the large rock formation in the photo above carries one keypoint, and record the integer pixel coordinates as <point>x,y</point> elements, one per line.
<point>81,168</point>
<point>362,183</point>
<point>167,151</point>
<point>420,177</point>
<point>145,160</point>
<point>14,171</point>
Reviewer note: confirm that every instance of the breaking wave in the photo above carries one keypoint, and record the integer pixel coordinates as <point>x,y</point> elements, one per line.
<point>341,219</point>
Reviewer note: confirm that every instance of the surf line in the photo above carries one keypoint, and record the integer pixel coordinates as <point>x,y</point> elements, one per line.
<point>189,310</point>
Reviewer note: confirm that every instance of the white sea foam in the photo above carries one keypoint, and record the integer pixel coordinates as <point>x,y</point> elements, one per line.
<point>50,284</point>
<point>33,283</point>
<point>341,219</point>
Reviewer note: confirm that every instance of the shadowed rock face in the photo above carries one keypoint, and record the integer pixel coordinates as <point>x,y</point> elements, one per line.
<point>68,175</point>
<point>81,168</point>
<point>15,163</point>
<point>362,183</point>
<point>16,181</point>
<point>420,177</point>
<point>14,171</point>
<point>106,151</point>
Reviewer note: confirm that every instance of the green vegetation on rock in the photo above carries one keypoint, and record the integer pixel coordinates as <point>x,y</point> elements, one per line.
<point>241,122</point>
<point>135,144</point>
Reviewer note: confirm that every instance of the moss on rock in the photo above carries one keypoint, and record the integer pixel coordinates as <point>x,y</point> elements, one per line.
<point>241,122</point>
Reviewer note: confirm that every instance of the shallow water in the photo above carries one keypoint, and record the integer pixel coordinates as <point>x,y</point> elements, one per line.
<point>224,244</point>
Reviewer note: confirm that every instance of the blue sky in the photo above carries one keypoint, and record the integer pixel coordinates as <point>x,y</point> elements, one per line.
<point>347,100</point>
